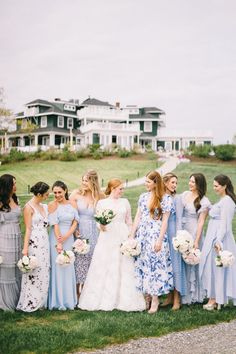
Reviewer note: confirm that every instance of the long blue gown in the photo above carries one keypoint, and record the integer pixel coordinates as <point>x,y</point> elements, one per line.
<point>187,219</point>
<point>88,229</point>
<point>62,287</point>
<point>178,264</point>
<point>219,282</point>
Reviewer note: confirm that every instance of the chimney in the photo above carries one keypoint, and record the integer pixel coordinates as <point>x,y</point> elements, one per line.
<point>117,104</point>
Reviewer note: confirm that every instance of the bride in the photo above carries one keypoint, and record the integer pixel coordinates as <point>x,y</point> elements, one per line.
<point>110,283</point>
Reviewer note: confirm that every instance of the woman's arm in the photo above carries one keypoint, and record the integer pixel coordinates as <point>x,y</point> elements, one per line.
<point>70,231</point>
<point>128,217</point>
<point>135,223</point>
<point>201,220</point>
<point>164,225</point>
<point>28,212</point>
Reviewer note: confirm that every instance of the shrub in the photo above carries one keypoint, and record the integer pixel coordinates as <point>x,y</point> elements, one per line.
<point>124,153</point>
<point>16,156</point>
<point>225,152</point>
<point>201,150</point>
<point>67,155</point>
<point>94,147</point>
<point>97,155</point>
<point>81,153</point>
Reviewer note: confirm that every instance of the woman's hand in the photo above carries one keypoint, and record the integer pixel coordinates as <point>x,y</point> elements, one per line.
<point>196,245</point>
<point>59,248</point>
<point>77,233</point>
<point>157,246</point>
<point>217,247</point>
<point>25,251</point>
<point>103,228</point>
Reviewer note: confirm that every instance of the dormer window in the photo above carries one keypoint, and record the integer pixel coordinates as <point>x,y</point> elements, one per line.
<point>60,122</point>
<point>147,127</point>
<point>44,122</point>
<point>70,123</point>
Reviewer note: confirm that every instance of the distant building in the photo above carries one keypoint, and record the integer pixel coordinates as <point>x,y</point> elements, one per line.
<point>52,124</point>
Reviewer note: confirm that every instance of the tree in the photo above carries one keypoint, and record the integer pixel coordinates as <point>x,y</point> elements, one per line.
<point>7,120</point>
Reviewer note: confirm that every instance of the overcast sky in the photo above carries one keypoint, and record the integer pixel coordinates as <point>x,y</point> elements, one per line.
<point>177,55</point>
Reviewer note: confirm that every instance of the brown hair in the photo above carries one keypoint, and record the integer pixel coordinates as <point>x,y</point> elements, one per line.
<point>225,181</point>
<point>157,194</point>
<point>201,187</point>
<point>113,183</point>
<point>166,178</point>
<point>94,187</point>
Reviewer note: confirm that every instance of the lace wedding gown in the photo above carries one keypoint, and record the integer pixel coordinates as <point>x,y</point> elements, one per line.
<point>110,283</point>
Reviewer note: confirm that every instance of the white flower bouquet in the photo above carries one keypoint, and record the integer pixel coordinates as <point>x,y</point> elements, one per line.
<point>27,264</point>
<point>183,242</point>
<point>65,258</point>
<point>192,256</point>
<point>104,217</point>
<point>1,259</point>
<point>81,246</point>
<point>130,248</point>
<point>224,259</point>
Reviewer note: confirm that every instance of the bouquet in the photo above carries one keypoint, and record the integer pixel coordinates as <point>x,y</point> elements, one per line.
<point>224,259</point>
<point>130,248</point>
<point>1,259</point>
<point>81,246</point>
<point>65,258</point>
<point>183,242</point>
<point>192,256</point>
<point>104,217</point>
<point>27,264</point>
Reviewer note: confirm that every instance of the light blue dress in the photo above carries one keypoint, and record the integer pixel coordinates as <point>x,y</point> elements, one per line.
<point>178,264</point>
<point>219,282</point>
<point>187,219</point>
<point>88,229</point>
<point>62,287</point>
<point>153,269</point>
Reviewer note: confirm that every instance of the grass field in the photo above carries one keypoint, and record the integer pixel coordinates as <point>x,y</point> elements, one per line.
<point>30,172</point>
<point>61,332</point>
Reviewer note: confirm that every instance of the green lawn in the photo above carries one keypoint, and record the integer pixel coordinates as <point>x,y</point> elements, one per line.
<point>30,172</point>
<point>61,332</point>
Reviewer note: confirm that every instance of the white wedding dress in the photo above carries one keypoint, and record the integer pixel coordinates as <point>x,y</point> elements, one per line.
<point>110,283</point>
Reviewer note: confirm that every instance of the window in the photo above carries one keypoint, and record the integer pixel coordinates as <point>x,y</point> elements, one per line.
<point>43,122</point>
<point>148,127</point>
<point>70,123</point>
<point>60,122</point>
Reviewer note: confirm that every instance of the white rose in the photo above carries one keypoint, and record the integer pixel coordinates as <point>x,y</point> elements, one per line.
<point>25,260</point>
<point>1,259</point>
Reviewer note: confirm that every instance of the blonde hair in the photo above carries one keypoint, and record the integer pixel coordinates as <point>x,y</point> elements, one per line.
<point>93,184</point>
<point>112,184</point>
<point>167,177</point>
<point>157,194</point>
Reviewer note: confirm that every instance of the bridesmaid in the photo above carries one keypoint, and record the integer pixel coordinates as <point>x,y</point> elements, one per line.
<point>63,218</point>
<point>153,265</point>
<point>34,285</point>
<point>191,211</point>
<point>10,243</point>
<point>86,199</point>
<point>219,282</point>
<point>170,184</point>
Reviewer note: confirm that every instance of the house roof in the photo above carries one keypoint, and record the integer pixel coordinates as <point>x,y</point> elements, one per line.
<point>39,101</point>
<point>152,110</point>
<point>95,102</point>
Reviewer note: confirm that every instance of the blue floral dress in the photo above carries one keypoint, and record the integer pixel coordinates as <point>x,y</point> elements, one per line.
<point>153,269</point>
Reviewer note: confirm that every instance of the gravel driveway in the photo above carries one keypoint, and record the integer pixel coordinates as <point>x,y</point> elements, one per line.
<point>213,339</point>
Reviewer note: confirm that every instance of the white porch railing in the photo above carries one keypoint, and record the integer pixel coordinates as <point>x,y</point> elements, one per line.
<point>108,127</point>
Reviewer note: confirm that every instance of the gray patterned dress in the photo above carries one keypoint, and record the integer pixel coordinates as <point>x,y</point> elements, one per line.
<point>88,229</point>
<point>10,251</point>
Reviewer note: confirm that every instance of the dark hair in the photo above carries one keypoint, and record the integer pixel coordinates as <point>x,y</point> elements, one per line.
<point>6,186</point>
<point>157,194</point>
<point>226,181</point>
<point>39,188</point>
<point>63,186</point>
<point>201,187</point>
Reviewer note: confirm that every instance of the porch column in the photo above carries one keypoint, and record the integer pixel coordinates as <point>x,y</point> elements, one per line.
<point>52,139</point>
<point>36,138</point>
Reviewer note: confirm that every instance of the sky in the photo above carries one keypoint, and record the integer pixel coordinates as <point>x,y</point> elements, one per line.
<point>177,55</point>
